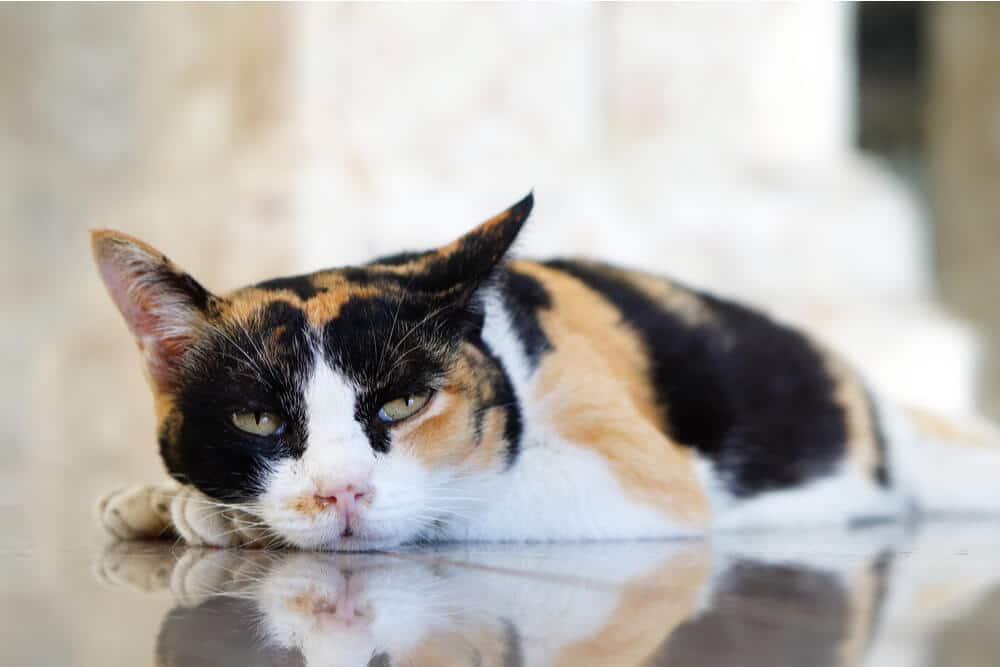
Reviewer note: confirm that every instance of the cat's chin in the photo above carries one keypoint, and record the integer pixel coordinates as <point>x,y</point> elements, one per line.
<point>324,542</point>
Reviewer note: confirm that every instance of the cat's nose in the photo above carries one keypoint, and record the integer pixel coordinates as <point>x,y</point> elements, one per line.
<point>345,497</point>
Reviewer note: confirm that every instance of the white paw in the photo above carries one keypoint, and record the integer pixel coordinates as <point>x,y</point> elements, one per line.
<point>138,512</point>
<point>202,521</point>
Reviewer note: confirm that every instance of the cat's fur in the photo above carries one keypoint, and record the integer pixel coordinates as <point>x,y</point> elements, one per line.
<point>569,400</point>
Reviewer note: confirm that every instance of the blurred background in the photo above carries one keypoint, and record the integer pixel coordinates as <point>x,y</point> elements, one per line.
<point>836,165</point>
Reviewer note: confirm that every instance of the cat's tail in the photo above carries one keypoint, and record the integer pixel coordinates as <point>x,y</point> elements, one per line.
<point>947,465</point>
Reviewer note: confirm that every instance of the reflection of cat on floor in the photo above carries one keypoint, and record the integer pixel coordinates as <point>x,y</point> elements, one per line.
<point>773,601</point>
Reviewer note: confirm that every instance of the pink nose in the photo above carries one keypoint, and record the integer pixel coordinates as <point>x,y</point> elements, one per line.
<point>346,498</point>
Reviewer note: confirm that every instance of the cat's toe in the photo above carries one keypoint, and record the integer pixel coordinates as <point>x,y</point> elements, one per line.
<point>130,514</point>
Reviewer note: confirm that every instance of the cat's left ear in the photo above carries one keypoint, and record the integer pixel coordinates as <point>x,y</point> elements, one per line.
<point>162,305</point>
<point>464,264</point>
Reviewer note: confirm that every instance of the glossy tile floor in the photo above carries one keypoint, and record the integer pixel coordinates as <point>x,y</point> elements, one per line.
<point>881,595</point>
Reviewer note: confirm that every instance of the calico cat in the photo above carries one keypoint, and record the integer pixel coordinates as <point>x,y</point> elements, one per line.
<point>458,394</point>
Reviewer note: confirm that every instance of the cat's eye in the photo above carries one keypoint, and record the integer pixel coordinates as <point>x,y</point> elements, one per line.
<point>401,408</point>
<point>258,423</point>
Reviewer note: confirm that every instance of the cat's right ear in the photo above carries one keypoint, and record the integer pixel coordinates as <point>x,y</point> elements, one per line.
<point>162,305</point>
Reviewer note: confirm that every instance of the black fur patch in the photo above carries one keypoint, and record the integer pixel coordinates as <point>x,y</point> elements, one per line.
<point>197,295</point>
<point>524,297</point>
<point>882,476</point>
<point>390,346</point>
<point>504,399</point>
<point>460,271</point>
<point>226,373</point>
<point>513,425</point>
<point>302,286</point>
<point>749,394</point>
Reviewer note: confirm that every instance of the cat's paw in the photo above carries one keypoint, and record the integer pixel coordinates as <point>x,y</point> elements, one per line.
<point>138,512</point>
<point>202,521</point>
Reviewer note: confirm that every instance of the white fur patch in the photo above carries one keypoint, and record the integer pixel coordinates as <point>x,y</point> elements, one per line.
<point>338,448</point>
<point>406,499</point>
<point>556,490</point>
<point>941,476</point>
<point>499,336</point>
<point>839,498</point>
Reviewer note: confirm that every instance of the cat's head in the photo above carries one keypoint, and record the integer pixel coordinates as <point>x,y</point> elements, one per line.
<point>346,408</point>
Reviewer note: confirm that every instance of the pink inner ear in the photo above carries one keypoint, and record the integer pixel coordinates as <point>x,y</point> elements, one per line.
<point>155,316</point>
<point>136,314</point>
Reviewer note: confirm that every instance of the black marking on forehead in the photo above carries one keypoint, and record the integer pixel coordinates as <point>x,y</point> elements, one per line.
<point>751,395</point>
<point>302,286</point>
<point>377,341</point>
<point>523,297</point>
<point>240,367</point>
<point>389,346</point>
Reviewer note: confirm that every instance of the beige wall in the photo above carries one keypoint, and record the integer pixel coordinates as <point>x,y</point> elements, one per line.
<point>964,161</point>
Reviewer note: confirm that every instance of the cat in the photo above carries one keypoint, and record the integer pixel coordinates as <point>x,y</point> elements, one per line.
<point>461,394</point>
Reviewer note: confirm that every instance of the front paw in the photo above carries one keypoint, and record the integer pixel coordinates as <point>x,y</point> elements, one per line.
<point>138,512</point>
<point>202,521</point>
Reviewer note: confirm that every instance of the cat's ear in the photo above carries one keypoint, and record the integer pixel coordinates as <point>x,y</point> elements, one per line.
<point>162,305</point>
<point>461,266</point>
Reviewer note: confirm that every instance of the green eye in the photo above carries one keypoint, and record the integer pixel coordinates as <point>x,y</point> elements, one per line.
<point>258,423</point>
<point>401,408</point>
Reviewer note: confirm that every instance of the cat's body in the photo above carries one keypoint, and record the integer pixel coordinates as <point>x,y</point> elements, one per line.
<point>457,395</point>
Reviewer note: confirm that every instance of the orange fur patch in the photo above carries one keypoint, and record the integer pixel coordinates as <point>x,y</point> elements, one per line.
<point>850,394</point>
<point>444,437</point>
<point>952,432</point>
<point>306,505</point>
<point>594,388</point>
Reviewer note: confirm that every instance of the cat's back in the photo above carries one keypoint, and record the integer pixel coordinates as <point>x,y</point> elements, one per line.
<point>763,405</point>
